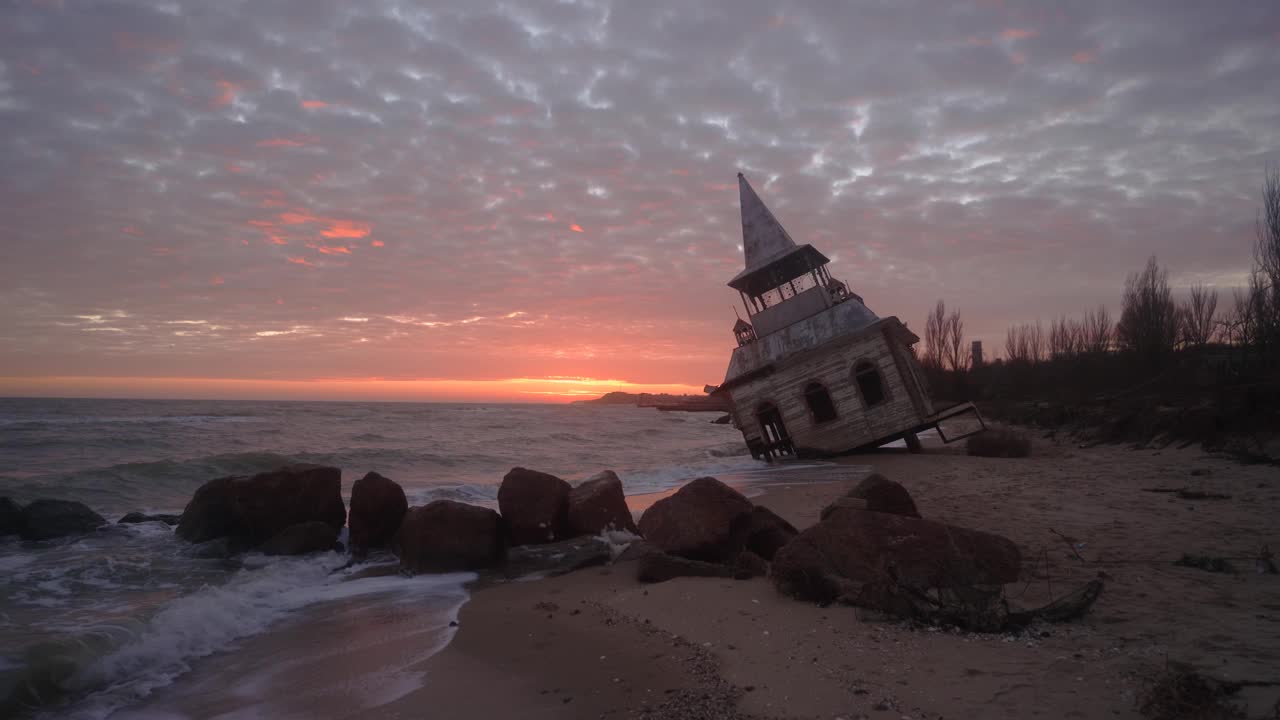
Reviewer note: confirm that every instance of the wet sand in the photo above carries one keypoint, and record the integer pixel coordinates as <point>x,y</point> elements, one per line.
<point>597,644</point>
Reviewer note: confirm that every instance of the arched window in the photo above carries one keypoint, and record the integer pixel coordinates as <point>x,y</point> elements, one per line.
<point>819,402</point>
<point>870,384</point>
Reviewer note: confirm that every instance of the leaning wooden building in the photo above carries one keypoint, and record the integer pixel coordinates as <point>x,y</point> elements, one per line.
<point>815,371</point>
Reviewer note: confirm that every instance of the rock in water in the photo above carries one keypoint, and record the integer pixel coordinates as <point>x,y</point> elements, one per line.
<point>448,536</point>
<point>852,547</point>
<point>300,539</point>
<point>876,493</point>
<point>137,517</point>
<point>253,509</point>
<point>377,507</point>
<point>598,503</point>
<point>45,519</point>
<point>762,532</point>
<point>697,522</point>
<point>10,517</point>
<point>535,506</point>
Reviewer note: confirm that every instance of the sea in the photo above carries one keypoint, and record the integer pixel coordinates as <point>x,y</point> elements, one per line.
<point>96,626</point>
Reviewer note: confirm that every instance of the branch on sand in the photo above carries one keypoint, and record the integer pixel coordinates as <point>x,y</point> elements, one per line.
<point>971,608</point>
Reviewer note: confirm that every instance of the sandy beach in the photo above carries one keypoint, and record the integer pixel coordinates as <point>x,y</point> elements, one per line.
<point>598,644</point>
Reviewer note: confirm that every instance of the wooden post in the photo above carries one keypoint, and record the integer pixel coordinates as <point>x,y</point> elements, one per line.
<point>913,443</point>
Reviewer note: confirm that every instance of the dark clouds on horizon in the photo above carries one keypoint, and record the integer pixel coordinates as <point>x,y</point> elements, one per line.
<point>469,190</point>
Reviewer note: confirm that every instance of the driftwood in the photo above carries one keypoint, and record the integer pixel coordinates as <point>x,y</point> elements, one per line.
<point>1188,493</point>
<point>971,608</point>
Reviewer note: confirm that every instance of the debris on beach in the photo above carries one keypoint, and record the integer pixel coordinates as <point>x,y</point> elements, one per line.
<point>1188,694</point>
<point>1206,563</point>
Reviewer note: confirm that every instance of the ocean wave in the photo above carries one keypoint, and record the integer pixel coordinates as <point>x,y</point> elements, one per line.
<point>27,423</point>
<point>98,669</point>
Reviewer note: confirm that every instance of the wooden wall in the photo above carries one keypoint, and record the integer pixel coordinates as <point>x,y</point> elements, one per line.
<point>832,365</point>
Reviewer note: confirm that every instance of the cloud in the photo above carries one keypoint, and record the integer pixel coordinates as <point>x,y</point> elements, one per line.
<point>1012,159</point>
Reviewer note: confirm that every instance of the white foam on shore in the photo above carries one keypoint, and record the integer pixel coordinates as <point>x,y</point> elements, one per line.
<point>213,619</point>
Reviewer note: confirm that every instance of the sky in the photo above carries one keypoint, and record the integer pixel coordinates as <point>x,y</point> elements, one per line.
<point>537,200</point>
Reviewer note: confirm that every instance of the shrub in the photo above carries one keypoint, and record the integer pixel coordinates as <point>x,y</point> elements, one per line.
<point>999,442</point>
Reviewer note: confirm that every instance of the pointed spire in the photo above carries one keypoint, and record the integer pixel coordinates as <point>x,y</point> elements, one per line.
<point>763,237</point>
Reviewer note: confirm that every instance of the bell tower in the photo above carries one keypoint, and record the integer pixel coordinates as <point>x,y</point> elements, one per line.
<point>782,282</point>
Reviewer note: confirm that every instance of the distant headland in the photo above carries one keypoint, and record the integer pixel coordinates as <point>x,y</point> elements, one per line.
<point>661,401</point>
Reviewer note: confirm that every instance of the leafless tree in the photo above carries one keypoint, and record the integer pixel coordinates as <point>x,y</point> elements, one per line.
<point>935,328</point>
<point>1065,338</point>
<point>1262,306</point>
<point>1096,331</point>
<point>1149,318</point>
<point>955,354</point>
<point>1024,344</point>
<point>1036,342</point>
<point>1199,316</point>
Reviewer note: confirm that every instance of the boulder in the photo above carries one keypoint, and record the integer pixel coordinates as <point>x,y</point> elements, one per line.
<point>378,505</point>
<point>137,517</point>
<point>853,548</point>
<point>300,539</point>
<point>877,493</point>
<point>46,519</point>
<point>535,506</point>
<point>448,536</point>
<point>697,522</point>
<point>10,517</point>
<point>599,503</point>
<point>762,532</point>
<point>253,509</point>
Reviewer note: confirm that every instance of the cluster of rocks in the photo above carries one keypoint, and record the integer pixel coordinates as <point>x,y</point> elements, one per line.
<point>534,508</point>
<point>871,548</point>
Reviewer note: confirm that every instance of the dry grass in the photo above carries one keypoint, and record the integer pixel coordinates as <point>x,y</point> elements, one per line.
<point>1189,696</point>
<point>999,442</point>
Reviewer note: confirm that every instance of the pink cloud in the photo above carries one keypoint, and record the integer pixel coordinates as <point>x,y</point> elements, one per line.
<point>1084,57</point>
<point>377,243</point>
<point>346,229</point>
<point>314,104</point>
<point>1018,34</point>
<point>227,93</point>
<point>576,228</point>
<point>299,261</point>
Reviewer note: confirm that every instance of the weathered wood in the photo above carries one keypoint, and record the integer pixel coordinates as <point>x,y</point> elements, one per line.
<point>832,365</point>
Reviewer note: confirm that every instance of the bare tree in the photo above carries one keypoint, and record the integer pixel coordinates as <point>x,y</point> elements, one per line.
<point>1096,331</point>
<point>954,351</point>
<point>1036,342</point>
<point>935,328</point>
<point>1149,318</point>
<point>1065,338</point>
<point>1262,306</point>
<point>1199,319</point>
<point>1024,344</point>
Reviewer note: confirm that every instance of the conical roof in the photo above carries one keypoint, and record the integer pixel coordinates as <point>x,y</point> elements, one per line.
<point>763,237</point>
<point>772,257</point>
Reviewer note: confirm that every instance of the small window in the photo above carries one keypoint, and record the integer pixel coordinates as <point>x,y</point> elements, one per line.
<point>870,384</point>
<point>819,402</point>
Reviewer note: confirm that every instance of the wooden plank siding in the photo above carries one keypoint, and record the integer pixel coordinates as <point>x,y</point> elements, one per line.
<point>832,365</point>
